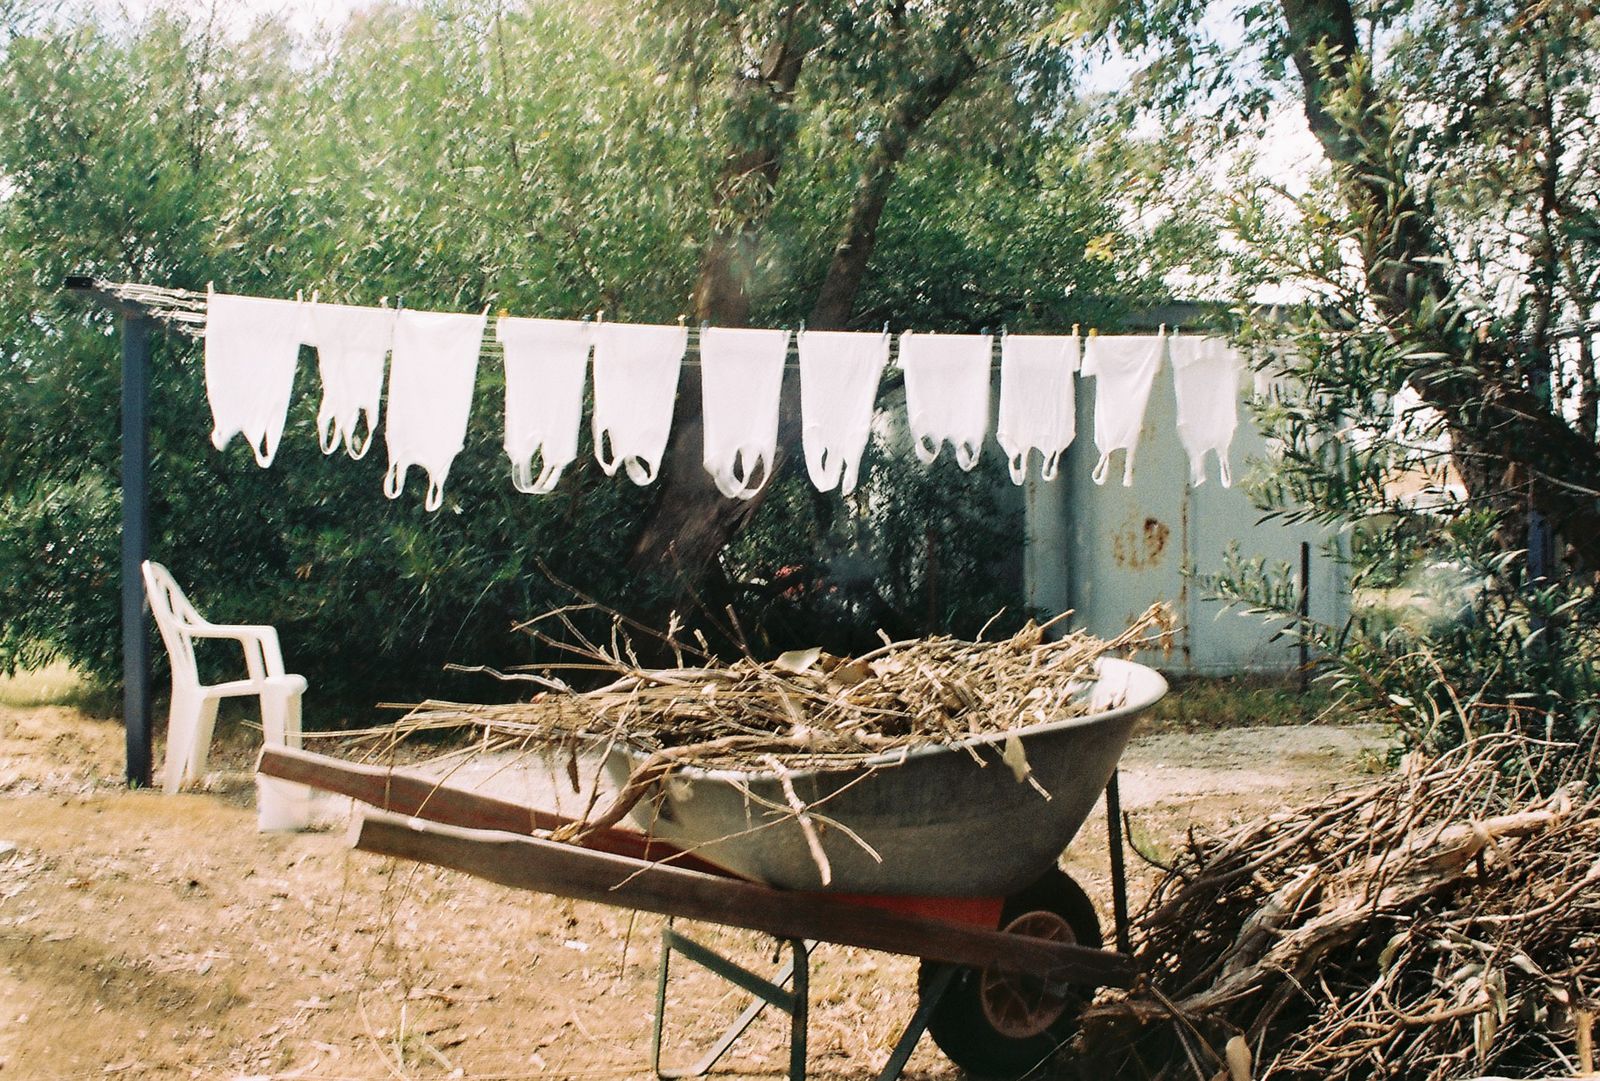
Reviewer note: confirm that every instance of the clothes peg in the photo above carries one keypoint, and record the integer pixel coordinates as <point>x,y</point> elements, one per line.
<point>1075,332</point>
<point>1094,332</point>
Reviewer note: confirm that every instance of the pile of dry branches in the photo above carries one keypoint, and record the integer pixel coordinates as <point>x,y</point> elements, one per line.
<point>808,708</point>
<point>1443,922</point>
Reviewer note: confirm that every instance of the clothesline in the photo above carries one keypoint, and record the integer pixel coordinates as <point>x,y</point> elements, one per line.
<point>416,372</point>
<point>184,310</point>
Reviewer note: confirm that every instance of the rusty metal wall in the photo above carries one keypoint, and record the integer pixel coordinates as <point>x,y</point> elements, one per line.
<point>1108,552</point>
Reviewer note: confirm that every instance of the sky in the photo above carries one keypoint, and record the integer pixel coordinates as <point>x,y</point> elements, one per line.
<point>303,15</point>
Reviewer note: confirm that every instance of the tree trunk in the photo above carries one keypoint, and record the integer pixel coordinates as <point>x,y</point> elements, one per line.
<point>1512,451</point>
<point>692,521</point>
<point>848,268</point>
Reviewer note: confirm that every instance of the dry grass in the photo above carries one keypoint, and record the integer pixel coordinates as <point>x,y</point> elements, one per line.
<point>58,684</point>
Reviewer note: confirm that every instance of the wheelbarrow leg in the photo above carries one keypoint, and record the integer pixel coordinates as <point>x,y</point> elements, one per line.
<point>1119,875</point>
<point>767,993</point>
<point>927,1002</point>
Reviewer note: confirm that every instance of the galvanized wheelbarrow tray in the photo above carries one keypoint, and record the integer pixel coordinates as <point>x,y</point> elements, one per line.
<point>945,821</point>
<point>1010,944</point>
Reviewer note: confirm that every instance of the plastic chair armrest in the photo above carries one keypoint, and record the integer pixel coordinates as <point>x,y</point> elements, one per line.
<point>263,656</point>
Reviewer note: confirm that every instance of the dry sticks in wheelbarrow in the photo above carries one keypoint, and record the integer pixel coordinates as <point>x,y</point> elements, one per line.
<point>807,708</point>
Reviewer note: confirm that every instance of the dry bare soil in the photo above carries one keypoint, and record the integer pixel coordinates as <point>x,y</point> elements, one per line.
<point>145,936</point>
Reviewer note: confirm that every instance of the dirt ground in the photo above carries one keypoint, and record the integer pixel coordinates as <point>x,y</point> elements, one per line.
<point>145,936</point>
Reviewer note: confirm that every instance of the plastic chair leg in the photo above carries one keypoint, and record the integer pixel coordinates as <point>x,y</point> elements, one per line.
<point>205,726</point>
<point>281,805</point>
<point>280,717</point>
<point>182,719</point>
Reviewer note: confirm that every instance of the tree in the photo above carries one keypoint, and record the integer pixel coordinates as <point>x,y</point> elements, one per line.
<point>881,77</point>
<point>1450,257</point>
<point>551,159</point>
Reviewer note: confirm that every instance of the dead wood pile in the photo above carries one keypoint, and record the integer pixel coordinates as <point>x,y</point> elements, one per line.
<point>1443,922</point>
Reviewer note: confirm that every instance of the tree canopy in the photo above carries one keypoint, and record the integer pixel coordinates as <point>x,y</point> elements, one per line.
<point>545,158</point>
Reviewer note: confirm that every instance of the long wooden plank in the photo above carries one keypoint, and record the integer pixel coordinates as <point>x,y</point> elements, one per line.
<point>565,871</point>
<point>420,796</point>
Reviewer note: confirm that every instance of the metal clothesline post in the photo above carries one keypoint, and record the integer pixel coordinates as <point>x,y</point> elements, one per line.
<point>136,328</point>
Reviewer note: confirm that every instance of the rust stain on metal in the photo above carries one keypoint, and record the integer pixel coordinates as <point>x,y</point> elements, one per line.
<point>1139,546</point>
<point>1186,554</point>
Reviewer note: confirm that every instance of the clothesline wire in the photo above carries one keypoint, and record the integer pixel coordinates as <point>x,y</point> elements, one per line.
<point>185,311</point>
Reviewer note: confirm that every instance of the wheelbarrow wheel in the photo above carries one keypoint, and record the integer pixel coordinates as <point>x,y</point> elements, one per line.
<point>1002,1025</point>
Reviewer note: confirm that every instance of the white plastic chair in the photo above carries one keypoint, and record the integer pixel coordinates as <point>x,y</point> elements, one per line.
<point>193,714</point>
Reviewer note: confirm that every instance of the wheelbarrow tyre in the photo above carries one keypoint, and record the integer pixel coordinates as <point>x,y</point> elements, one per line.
<point>966,1030</point>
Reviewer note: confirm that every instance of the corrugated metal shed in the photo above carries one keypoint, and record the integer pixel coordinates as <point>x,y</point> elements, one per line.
<point>1108,552</point>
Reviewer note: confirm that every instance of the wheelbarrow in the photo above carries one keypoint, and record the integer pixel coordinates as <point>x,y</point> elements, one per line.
<point>948,854</point>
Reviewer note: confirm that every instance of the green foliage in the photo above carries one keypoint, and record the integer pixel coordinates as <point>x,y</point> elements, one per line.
<point>1473,650</point>
<point>1447,259</point>
<point>551,159</point>
<point>913,551</point>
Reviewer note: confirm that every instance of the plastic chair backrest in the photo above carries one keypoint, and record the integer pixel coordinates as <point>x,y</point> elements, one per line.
<point>174,618</point>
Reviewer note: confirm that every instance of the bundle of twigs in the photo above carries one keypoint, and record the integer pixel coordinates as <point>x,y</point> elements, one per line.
<point>804,710</point>
<point>1443,922</point>
<point>808,708</point>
